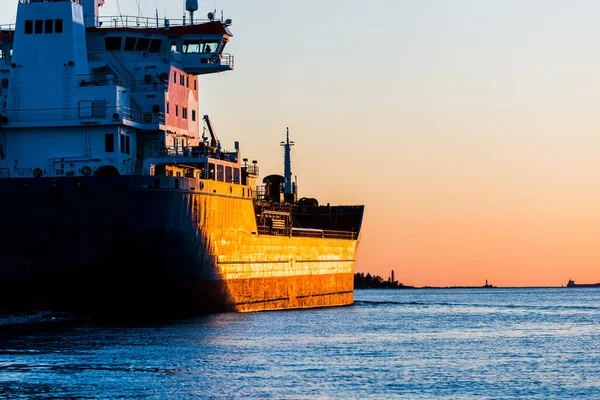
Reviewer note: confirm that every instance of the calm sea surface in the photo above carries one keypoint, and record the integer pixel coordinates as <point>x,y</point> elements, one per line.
<point>452,343</point>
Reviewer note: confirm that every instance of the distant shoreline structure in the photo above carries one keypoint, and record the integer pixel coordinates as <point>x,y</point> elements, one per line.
<point>368,281</point>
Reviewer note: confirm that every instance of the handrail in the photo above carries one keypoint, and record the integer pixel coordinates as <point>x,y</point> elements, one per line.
<point>309,233</point>
<point>91,113</point>
<point>323,233</point>
<point>130,21</point>
<point>131,79</point>
<point>94,80</point>
<point>47,1</point>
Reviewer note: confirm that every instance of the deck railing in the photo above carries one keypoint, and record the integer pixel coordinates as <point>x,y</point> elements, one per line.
<point>85,114</point>
<point>318,233</point>
<point>308,233</point>
<point>130,21</point>
<point>47,1</point>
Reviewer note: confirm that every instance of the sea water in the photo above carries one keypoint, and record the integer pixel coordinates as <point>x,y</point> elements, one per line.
<point>414,343</point>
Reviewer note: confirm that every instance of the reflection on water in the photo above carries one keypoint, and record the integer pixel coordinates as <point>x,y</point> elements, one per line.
<point>496,343</point>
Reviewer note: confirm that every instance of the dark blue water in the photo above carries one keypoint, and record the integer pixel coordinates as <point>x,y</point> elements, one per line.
<point>463,343</point>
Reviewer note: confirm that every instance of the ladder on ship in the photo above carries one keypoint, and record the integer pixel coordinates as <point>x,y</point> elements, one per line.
<point>121,69</point>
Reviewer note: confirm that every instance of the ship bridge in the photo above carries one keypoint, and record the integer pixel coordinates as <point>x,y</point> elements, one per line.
<point>196,48</point>
<point>81,92</point>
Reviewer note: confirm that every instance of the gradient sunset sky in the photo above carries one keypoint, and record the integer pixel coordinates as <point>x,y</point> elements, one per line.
<point>470,129</point>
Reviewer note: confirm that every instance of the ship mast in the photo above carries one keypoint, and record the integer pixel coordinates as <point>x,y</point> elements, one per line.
<point>287,172</point>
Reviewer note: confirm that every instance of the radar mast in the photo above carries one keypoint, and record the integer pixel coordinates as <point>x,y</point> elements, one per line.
<point>287,145</point>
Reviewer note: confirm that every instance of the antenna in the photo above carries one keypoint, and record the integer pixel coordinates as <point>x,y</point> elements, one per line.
<point>191,6</point>
<point>287,160</point>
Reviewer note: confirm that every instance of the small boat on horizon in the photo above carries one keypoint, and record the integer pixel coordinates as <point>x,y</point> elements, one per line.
<point>572,283</point>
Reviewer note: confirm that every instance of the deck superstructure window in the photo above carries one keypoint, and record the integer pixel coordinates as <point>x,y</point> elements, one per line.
<point>109,143</point>
<point>167,107</point>
<point>39,26</point>
<point>176,110</point>
<point>142,44</point>
<point>58,25</point>
<point>220,173</point>
<point>113,43</point>
<point>193,115</point>
<point>174,77</point>
<point>228,174</point>
<point>155,45</point>
<point>182,80</point>
<point>125,143</point>
<point>130,43</point>
<point>49,26</point>
<point>29,27</point>
<point>184,112</point>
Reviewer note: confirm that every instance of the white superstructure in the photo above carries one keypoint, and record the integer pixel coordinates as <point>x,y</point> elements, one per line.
<point>83,94</point>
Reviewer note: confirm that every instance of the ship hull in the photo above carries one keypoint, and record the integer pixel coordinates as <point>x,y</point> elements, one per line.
<point>149,245</point>
<point>584,285</point>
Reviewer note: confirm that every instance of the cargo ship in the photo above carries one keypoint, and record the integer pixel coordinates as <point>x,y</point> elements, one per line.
<point>572,283</point>
<point>117,195</point>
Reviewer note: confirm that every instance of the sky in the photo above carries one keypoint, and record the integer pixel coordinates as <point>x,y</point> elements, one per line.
<point>469,129</point>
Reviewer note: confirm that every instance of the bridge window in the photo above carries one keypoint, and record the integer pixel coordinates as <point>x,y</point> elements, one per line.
<point>109,143</point>
<point>228,175</point>
<point>58,25</point>
<point>211,171</point>
<point>155,45</point>
<point>130,43</point>
<point>113,43</point>
<point>190,46</point>
<point>39,26</point>
<point>28,26</point>
<point>220,174</point>
<point>209,46</point>
<point>49,26</point>
<point>236,175</point>
<point>142,44</point>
